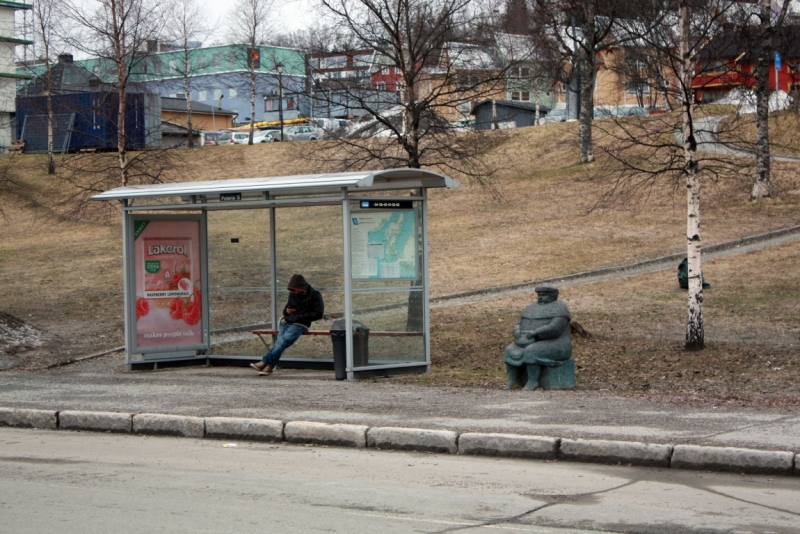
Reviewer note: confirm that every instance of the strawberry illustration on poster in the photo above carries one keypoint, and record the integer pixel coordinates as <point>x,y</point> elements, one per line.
<point>169,304</point>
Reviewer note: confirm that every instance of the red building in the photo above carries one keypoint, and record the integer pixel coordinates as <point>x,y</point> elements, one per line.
<point>731,59</point>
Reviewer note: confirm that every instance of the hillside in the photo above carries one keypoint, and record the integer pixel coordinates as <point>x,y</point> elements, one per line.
<point>63,277</point>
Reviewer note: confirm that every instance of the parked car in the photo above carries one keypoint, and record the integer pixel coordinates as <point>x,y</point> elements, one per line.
<point>302,133</point>
<point>241,138</point>
<point>631,110</point>
<point>211,138</point>
<point>266,136</point>
<point>603,112</point>
<point>464,125</point>
<point>556,115</point>
<point>225,139</point>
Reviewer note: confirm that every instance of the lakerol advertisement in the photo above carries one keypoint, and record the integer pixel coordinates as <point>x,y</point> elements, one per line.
<point>169,306</point>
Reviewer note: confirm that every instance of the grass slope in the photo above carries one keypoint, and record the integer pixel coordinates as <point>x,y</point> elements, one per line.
<point>64,276</point>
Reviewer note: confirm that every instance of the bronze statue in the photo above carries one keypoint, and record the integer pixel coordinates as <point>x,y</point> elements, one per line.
<point>542,347</point>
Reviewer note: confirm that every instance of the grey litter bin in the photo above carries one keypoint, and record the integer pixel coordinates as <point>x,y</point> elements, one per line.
<point>360,347</point>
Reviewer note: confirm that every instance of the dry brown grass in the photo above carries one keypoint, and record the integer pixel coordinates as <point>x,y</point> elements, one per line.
<point>783,131</point>
<point>64,276</point>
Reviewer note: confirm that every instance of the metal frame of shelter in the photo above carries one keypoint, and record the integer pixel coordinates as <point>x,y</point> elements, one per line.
<point>195,199</point>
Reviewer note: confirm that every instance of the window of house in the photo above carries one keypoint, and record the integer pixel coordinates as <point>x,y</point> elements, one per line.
<point>202,96</point>
<point>526,96</point>
<point>465,107</point>
<point>514,96</point>
<point>173,66</point>
<point>380,86</point>
<point>638,88</point>
<point>232,93</point>
<point>96,70</point>
<point>216,60</point>
<point>157,65</point>
<point>231,58</point>
<point>202,62</point>
<point>270,104</point>
<point>290,103</point>
<point>468,82</point>
<point>217,94</point>
<point>524,72</point>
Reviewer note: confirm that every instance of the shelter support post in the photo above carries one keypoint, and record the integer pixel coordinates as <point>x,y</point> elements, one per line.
<point>348,285</point>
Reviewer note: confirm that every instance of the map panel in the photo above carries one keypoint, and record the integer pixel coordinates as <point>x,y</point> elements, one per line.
<point>383,244</point>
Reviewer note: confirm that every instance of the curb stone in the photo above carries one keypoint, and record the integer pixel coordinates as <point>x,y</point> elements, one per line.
<point>413,439</point>
<point>733,459</point>
<point>27,418</point>
<point>510,445</point>
<point>98,421</point>
<point>241,428</point>
<point>326,434</point>
<point>606,451</point>
<point>169,425</point>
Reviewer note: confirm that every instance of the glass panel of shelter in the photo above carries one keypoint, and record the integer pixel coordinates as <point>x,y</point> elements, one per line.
<point>387,282</point>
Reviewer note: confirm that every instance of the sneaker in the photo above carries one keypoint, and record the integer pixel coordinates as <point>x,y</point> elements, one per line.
<point>266,371</point>
<point>259,366</point>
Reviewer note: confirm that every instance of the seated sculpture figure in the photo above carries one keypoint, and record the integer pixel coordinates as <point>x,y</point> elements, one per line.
<point>542,344</point>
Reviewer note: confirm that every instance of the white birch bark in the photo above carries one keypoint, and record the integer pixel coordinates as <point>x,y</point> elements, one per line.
<point>694,325</point>
<point>761,186</point>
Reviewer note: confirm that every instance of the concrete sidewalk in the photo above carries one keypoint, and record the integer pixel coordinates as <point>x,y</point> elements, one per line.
<point>294,395</point>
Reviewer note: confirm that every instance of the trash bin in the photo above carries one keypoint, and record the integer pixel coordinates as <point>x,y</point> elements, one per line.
<point>360,347</point>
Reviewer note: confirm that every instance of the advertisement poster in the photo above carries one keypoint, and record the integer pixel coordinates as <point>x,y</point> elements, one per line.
<point>383,245</point>
<point>169,305</point>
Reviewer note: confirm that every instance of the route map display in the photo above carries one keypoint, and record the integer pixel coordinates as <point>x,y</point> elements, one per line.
<point>383,244</point>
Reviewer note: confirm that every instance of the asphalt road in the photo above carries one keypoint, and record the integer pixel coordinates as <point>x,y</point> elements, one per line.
<point>72,482</point>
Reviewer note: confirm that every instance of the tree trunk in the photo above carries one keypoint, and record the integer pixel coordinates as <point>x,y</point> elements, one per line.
<point>51,162</point>
<point>122,154</point>
<point>586,66</point>
<point>253,104</point>
<point>186,88</point>
<point>694,327</point>
<point>761,187</point>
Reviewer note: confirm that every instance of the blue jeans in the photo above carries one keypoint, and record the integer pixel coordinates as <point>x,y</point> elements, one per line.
<point>287,335</point>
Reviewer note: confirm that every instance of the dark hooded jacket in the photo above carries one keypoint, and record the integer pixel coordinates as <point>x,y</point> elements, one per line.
<point>307,303</point>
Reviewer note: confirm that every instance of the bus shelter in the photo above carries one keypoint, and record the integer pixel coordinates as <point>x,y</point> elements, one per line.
<point>206,264</point>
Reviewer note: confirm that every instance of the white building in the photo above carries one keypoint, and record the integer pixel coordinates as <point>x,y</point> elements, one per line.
<point>8,75</point>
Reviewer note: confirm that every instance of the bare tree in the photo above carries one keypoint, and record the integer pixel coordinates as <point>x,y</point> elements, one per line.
<point>439,72</point>
<point>249,24</point>
<point>648,149</point>
<point>187,28</point>
<point>46,17</point>
<point>117,32</point>
<point>579,30</point>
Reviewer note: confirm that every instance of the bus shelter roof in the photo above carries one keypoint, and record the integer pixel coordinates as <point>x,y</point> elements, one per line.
<point>309,184</point>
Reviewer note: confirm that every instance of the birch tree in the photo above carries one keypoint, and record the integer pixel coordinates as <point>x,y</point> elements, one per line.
<point>117,32</point>
<point>186,28</point>
<point>46,16</point>
<point>647,150</point>
<point>249,25</point>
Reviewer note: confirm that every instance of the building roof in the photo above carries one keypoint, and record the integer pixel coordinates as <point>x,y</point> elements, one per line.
<point>179,105</point>
<point>66,76</point>
<point>255,189</point>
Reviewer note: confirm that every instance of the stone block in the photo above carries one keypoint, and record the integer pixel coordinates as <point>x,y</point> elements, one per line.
<point>561,377</point>
<point>246,429</point>
<point>27,418</point>
<point>605,451</point>
<point>509,445</point>
<point>325,434</point>
<point>412,439</point>
<point>95,421</point>
<point>169,425</point>
<point>733,459</point>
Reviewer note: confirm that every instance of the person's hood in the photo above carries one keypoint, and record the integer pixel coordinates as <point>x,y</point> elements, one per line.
<point>298,283</point>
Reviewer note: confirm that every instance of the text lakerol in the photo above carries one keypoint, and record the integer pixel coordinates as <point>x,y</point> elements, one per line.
<point>154,250</point>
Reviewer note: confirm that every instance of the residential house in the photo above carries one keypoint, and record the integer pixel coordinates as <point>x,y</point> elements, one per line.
<point>729,62</point>
<point>529,76</point>
<point>204,116</point>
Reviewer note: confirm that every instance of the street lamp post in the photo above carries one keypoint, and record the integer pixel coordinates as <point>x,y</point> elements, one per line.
<point>213,119</point>
<point>279,68</point>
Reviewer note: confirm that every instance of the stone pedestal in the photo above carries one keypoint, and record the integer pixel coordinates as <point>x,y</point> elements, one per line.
<point>561,377</point>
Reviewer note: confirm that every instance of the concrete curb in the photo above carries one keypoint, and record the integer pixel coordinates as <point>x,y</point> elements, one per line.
<point>734,459</point>
<point>509,445</point>
<point>247,429</point>
<point>326,434</point>
<point>26,418</point>
<point>96,421</point>
<point>169,425</point>
<point>626,452</point>
<point>413,439</point>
